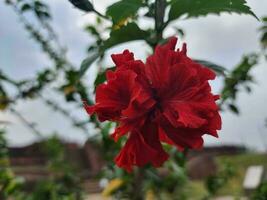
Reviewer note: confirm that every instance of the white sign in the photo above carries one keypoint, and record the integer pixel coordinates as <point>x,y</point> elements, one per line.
<point>253,177</point>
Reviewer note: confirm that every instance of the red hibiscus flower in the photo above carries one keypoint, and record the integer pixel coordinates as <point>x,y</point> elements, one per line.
<point>167,99</point>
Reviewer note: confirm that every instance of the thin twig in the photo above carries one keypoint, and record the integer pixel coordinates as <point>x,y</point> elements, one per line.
<point>30,125</point>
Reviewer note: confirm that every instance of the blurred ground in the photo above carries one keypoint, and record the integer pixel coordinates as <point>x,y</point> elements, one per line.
<point>96,197</point>
<point>233,190</point>
<point>30,163</point>
<point>234,187</point>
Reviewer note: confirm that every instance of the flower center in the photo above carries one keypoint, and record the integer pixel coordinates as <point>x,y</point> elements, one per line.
<point>157,99</point>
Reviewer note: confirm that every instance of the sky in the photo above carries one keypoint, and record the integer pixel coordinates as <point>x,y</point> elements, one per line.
<point>222,39</point>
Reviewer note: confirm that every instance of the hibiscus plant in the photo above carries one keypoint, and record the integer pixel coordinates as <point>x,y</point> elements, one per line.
<point>148,113</point>
<point>164,101</point>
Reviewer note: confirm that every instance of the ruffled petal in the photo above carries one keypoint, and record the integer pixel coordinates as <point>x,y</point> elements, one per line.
<point>167,99</point>
<point>114,96</point>
<point>150,132</point>
<point>184,116</point>
<point>135,114</point>
<point>135,152</point>
<point>123,58</point>
<point>167,68</point>
<point>181,137</point>
<point>143,147</point>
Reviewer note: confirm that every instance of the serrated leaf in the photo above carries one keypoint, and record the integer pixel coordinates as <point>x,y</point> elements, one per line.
<point>123,9</point>
<point>87,62</point>
<point>217,68</point>
<point>125,34</point>
<point>196,8</point>
<point>84,5</point>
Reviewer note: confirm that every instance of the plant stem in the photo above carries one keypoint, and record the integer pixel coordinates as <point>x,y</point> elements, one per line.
<point>101,15</point>
<point>27,123</point>
<point>160,6</point>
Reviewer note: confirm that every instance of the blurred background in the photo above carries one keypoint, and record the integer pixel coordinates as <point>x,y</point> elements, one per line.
<point>39,105</point>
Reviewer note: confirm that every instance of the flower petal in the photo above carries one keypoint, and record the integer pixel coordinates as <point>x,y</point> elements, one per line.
<point>123,58</point>
<point>135,152</point>
<point>114,96</point>
<point>182,138</point>
<point>143,147</point>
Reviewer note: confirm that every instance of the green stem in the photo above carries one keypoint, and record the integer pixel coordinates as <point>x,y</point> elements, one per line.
<point>27,123</point>
<point>101,15</point>
<point>160,6</point>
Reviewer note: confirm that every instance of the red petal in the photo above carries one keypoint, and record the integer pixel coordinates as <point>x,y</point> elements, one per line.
<point>143,147</point>
<point>113,96</point>
<point>183,138</point>
<point>170,45</point>
<point>123,58</point>
<point>135,152</point>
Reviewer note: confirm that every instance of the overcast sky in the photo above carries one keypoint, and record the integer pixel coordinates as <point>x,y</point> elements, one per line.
<point>221,39</point>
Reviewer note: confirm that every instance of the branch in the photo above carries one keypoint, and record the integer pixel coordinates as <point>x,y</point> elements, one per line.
<point>30,125</point>
<point>160,6</point>
<point>101,15</point>
<point>56,107</point>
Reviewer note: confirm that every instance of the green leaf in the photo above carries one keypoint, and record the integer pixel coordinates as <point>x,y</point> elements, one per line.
<point>123,9</point>
<point>40,6</point>
<point>25,7</point>
<point>217,68</point>
<point>264,19</point>
<point>180,32</point>
<point>87,62</point>
<point>42,14</point>
<point>264,40</point>
<point>196,8</point>
<point>126,33</point>
<point>84,5</point>
<point>233,108</point>
<point>263,31</point>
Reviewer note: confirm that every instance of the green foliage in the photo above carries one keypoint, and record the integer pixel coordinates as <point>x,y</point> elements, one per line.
<point>123,17</point>
<point>126,33</point>
<point>95,31</point>
<point>240,163</point>
<point>4,99</point>
<point>240,75</point>
<point>84,5</point>
<point>263,31</point>
<point>122,10</point>
<point>124,29</point>
<point>87,62</point>
<point>217,68</point>
<point>63,183</point>
<point>40,9</point>
<point>219,180</point>
<point>193,8</point>
<point>73,85</point>
<point>9,184</point>
<point>260,193</point>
